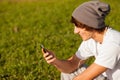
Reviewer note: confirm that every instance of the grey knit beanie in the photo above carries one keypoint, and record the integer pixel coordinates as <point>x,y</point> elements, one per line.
<point>92,13</point>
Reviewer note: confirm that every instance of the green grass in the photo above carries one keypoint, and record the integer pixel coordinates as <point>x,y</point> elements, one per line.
<point>25,25</point>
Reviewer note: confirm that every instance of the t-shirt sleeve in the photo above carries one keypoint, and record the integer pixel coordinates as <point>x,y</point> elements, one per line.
<point>108,56</point>
<point>83,51</point>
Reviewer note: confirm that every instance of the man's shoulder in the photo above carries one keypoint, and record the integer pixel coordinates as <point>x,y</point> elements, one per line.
<point>112,35</point>
<point>113,32</point>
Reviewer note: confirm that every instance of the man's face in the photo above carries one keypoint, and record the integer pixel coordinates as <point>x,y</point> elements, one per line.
<point>85,35</point>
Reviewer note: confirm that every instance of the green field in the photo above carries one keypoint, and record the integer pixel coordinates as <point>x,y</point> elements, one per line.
<point>24,25</point>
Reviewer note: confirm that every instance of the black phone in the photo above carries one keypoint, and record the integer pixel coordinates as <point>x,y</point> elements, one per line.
<point>44,49</point>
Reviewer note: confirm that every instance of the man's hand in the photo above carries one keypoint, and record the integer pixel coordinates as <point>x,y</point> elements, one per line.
<point>49,56</point>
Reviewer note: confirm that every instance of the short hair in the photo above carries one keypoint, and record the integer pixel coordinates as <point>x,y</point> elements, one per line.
<point>88,28</point>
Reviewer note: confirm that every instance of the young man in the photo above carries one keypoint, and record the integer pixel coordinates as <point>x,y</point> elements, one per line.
<point>99,41</point>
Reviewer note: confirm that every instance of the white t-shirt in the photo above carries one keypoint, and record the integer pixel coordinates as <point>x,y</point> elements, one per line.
<point>106,54</point>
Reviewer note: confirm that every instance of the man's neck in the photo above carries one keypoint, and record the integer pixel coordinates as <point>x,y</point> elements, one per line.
<point>98,37</point>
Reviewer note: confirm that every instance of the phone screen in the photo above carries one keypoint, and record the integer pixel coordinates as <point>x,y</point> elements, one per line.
<point>44,49</point>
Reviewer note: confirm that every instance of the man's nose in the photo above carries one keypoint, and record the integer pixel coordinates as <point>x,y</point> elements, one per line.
<point>76,30</point>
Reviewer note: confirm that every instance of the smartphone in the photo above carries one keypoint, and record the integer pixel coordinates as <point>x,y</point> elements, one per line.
<point>44,49</point>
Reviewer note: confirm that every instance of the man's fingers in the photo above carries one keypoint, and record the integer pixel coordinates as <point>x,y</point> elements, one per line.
<point>45,55</point>
<point>49,57</point>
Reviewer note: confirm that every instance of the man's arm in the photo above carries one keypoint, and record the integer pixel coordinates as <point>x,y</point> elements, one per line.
<point>66,66</point>
<point>91,72</point>
<point>70,65</point>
